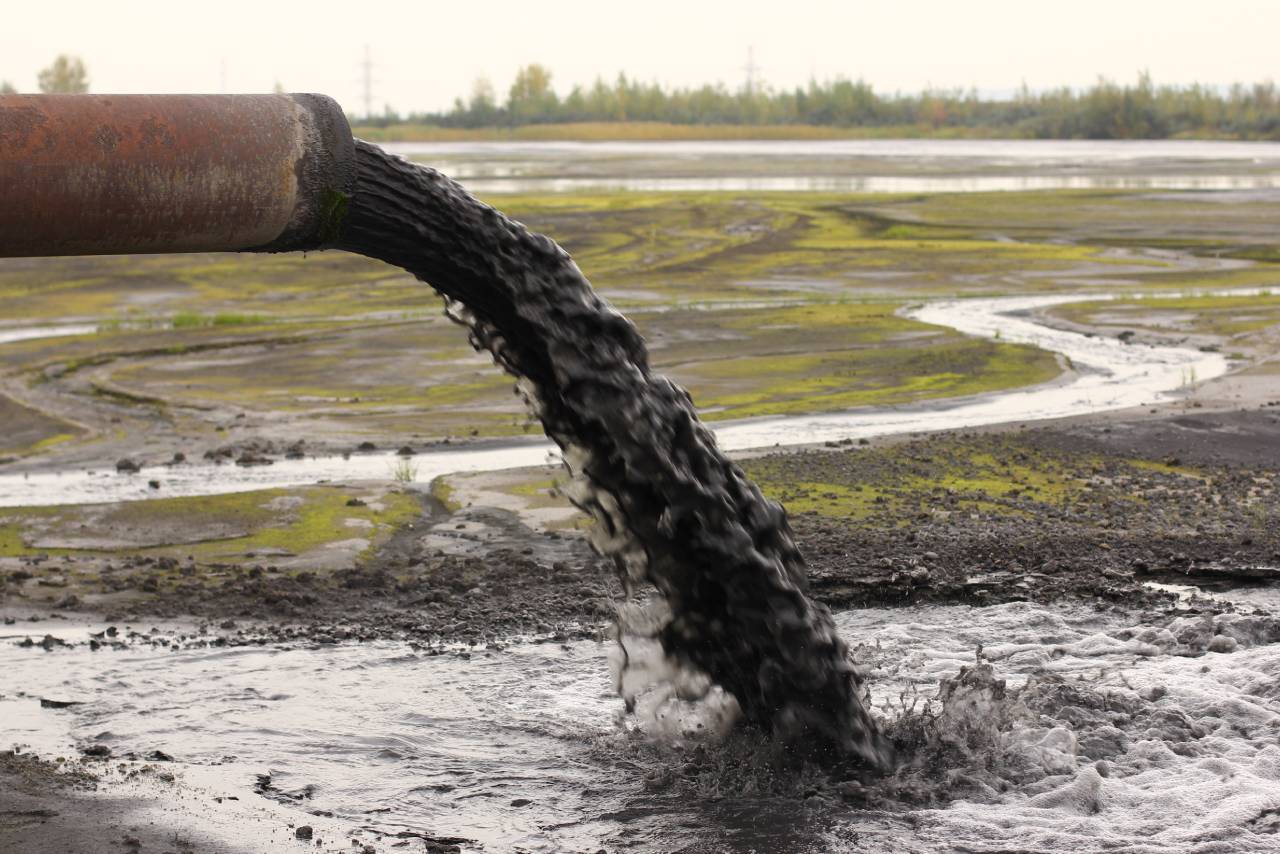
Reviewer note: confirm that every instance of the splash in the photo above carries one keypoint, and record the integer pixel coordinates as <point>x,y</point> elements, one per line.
<point>670,509</point>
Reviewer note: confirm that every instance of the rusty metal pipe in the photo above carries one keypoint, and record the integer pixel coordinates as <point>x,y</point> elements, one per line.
<point>117,174</point>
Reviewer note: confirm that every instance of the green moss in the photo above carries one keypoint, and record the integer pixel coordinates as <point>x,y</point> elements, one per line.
<point>983,476</point>
<point>442,491</point>
<point>333,213</point>
<point>834,381</point>
<point>319,517</point>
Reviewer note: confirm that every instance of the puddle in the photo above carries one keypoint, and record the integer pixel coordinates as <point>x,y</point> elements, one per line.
<point>28,333</point>
<point>520,748</point>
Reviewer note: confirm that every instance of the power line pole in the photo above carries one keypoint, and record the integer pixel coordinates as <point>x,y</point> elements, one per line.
<point>752,69</point>
<point>367,65</point>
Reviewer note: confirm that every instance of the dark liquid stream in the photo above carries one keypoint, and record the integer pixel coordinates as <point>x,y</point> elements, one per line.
<point>673,511</point>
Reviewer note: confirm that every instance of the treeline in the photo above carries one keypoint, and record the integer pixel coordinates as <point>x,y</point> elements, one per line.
<point>1104,111</point>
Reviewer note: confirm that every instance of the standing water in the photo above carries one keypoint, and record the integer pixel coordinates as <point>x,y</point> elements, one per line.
<point>669,507</point>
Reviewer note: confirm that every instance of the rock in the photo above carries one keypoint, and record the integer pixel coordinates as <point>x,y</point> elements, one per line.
<point>127,466</point>
<point>178,458</point>
<point>47,703</point>
<point>304,832</point>
<point>356,502</point>
<point>521,802</point>
<point>97,751</point>
<point>366,446</point>
<point>406,451</point>
<point>158,756</point>
<point>249,458</point>
<point>154,484</point>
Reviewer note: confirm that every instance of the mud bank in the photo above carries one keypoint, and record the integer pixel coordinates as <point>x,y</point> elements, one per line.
<point>1079,510</point>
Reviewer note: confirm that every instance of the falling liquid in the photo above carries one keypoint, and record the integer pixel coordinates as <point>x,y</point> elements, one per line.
<point>670,508</point>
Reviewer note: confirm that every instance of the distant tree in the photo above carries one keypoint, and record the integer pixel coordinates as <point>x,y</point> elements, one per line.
<point>531,98</point>
<point>484,103</point>
<point>67,75</point>
<point>6,88</point>
<point>1106,110</point>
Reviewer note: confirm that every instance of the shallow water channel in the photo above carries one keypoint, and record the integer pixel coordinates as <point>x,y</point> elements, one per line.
<point>852,165</point>
<point>1106,374</point>
<point>522,747</point>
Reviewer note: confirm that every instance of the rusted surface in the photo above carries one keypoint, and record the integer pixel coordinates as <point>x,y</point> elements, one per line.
<point>113,174</point>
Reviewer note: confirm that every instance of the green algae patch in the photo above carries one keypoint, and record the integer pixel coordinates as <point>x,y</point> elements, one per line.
<point>442,491</point>
<point>899,484</point>
<point>206,528</point>
<point>785,385</point>
<point>998,476</point>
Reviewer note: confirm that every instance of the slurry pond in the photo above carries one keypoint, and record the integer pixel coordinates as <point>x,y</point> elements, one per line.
<point>869,165</point>
<point>1159,733</point>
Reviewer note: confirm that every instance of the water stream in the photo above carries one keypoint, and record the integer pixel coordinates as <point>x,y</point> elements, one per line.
<point>1107,375</point>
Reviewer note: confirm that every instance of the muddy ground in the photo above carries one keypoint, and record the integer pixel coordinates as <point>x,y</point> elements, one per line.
<point>1090,511</point>
<point>1081,510</point>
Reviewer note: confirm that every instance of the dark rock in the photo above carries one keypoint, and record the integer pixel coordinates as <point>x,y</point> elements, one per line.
<point>304,832</point>
<point>127,466</point>
<point>249,458</point>
<point>406,451</point>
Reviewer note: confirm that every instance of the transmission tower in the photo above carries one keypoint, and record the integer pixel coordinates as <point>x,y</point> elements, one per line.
<point>752,69</point>
<point>367,68</point>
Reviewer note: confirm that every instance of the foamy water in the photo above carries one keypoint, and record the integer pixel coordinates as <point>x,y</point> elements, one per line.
<point>1160,746</point>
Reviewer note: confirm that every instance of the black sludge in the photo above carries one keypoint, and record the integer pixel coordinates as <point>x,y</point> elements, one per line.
<point>671,508</point>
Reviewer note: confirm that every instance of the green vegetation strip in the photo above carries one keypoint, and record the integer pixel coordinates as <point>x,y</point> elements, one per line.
<point>293,520</point>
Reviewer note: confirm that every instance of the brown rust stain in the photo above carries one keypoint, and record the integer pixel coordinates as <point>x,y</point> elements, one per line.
<point>84,174</point>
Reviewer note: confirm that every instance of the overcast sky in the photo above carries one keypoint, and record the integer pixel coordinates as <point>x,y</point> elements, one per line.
<point>427,52</point>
